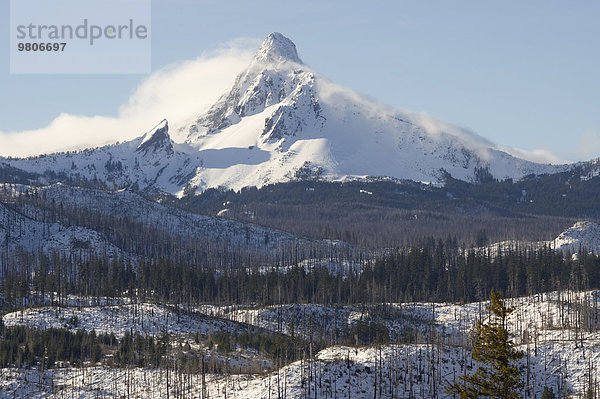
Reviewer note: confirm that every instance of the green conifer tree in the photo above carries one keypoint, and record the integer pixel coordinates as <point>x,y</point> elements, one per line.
<point>548,393</point>
<point>498,376</point>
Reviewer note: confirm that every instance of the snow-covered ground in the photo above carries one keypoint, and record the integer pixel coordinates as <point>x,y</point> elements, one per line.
<point>391,371</point>
<point>560,331</point>
<point>550,316</point>
<point>19,231</point>
<point>582,235</point>
<point>145,319</point>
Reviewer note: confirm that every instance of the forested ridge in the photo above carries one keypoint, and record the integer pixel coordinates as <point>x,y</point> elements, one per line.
<point>381,212</point>
<point>437,271</point>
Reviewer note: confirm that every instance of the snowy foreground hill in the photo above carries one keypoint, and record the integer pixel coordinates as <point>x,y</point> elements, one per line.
<point>280,122</point>
<point>560,332</point>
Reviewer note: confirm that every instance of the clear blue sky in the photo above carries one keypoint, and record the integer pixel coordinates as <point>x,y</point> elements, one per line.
<point>522,74</point>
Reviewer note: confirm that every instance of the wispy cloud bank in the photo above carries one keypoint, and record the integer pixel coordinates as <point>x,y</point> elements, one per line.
<point>175,92</point>
<point>588,145</point>
<point>538,155</point>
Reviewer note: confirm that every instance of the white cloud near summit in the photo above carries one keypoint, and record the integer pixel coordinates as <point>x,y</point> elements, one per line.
<point>538,156</point>
<point>588,145</point>
<point>175,92</point>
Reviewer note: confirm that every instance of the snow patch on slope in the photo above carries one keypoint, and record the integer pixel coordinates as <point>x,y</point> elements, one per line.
<point>582,235</point>
<point>144,318</point>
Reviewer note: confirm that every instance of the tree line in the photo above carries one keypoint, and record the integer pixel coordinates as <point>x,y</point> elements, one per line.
<point>437,271</point>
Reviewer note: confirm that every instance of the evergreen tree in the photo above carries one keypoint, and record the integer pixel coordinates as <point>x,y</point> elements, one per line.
<point>498,376</point>
<point>548,393</point>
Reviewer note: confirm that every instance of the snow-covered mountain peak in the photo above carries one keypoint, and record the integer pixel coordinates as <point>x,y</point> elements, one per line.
<point>300,125</point>
<point>276,76</point>
<point>277,48</point>
<point>281,122</point>
<point>156,139</point>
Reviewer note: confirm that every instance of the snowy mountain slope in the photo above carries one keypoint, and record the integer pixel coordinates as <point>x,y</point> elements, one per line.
<point>20,231</point>
<point>312,128</point>
<point>173,221</point>
<point>589,169</point>
<point>281,121</point>
<point>152,162</point>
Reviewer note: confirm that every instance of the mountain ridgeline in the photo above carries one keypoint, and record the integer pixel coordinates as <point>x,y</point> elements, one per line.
<point>280,122</point>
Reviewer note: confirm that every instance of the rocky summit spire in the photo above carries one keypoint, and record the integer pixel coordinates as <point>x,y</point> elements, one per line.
<point>276,48</point>
<point>157,139</point>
